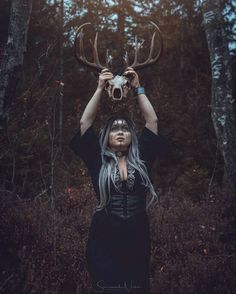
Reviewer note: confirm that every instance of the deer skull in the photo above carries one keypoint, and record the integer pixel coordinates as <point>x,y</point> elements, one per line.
<point>119,86</point>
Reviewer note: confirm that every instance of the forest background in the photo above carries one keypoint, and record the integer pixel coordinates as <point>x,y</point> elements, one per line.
<point>47,199</point>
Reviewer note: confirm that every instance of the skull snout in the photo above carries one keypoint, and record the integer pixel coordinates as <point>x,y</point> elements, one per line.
<point>117,93</point>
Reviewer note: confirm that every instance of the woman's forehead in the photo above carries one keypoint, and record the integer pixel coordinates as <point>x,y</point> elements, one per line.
<point>120,122</point>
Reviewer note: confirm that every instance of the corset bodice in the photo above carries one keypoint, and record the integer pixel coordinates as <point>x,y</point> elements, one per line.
<point>130,200</point>
<point>126,205</point>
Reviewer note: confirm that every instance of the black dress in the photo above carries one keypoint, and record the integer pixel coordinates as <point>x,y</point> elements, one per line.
<point>118,247</point>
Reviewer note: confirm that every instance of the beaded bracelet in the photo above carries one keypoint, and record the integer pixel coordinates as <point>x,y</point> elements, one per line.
<point>138,91</point>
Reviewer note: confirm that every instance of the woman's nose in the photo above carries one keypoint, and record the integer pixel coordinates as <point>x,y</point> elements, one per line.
<point>120,131</point>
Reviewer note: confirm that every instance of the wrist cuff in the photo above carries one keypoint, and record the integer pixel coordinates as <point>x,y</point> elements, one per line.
<point>139,90</point>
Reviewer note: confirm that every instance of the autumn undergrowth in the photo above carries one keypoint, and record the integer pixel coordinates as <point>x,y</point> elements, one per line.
<point>43,245</point>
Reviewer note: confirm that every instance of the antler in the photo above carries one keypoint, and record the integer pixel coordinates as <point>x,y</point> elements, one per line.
<point>150,60</point>
<point>81,56</point>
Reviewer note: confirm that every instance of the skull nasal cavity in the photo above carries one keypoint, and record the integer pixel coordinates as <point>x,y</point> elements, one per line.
<point>117,93</point>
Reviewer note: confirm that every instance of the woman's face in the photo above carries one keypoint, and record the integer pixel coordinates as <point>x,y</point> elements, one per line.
<point>120,135</point>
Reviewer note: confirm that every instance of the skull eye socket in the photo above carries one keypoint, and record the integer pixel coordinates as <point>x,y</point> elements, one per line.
<point>127,84</point>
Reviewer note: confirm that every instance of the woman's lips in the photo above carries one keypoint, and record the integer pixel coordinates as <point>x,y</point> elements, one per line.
<point>120,140</point>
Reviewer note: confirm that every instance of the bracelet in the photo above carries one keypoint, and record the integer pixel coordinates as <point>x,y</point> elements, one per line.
<point>138,91</point>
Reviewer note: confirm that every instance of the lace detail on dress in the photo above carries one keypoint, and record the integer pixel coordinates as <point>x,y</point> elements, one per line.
<point>130,180</point>
<point>131,177</point>
<point>118,181</point>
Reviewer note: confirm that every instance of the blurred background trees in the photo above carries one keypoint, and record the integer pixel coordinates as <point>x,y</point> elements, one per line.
<point>46,195</point>
<point>13,55</point>
<point>222,103</point>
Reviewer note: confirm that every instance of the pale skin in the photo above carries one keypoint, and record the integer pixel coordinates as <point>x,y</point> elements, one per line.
<point>119,140</point>
<point>145,106</point>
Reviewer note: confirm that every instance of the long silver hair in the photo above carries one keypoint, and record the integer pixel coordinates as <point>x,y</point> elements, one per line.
<point>109,162</point>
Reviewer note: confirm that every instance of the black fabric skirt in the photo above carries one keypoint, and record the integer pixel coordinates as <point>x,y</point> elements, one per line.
<point>118,254</point>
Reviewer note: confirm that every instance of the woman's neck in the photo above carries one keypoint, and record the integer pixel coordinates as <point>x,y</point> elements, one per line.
<point>121,154</point>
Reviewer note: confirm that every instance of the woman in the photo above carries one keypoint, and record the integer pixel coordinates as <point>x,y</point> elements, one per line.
<point>118,247</point>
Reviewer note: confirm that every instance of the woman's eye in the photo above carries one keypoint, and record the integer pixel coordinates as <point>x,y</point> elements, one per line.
<point>116,129</point>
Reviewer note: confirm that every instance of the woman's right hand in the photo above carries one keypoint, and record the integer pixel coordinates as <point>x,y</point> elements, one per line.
<point>104,76</point>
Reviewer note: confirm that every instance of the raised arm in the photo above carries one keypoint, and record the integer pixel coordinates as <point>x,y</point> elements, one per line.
<point>145,105</point>
<point>90,111</point>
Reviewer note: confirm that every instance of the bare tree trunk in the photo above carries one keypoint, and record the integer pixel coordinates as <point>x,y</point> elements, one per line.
<point>61,69</point>
<point>13,55</point>
<point>222,103</point>
<point>182,44</point>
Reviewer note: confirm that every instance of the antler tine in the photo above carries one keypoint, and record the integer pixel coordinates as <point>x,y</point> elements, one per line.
<point>79,32</point>
<point>126,58</point>
<point>95,51</point>
<point>107,57</point>
<point>152,47</point>
<point>161,41</point>
<point>81,57</point>
<point>136,50</point>
<point>150,60</point>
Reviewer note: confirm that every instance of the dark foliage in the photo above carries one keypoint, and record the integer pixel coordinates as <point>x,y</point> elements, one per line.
<point>43,248</point>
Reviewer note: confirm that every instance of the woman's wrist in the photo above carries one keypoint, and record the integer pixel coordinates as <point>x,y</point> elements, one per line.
<point>100,88</point>
<point>136,85</point>
<point>139,90</point>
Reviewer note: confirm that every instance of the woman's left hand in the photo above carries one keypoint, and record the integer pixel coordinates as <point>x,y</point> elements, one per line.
<point>131,74</point>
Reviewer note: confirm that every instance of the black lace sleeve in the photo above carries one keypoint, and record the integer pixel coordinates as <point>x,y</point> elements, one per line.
<point>152,146</point>
<point>87,148</point>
